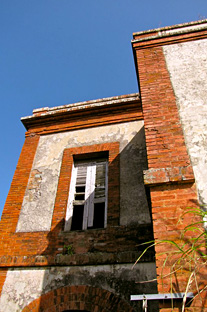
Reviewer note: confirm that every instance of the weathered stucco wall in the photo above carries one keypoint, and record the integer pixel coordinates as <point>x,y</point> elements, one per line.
<point>38,204</point>
<point>187,65</point>
<point>23,286</point>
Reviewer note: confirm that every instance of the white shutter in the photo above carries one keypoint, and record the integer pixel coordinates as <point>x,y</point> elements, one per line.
<point>89,185</point>
<point>100,182</point>
<point>69,211</point>
<point>80,184</point>
<point>90,194</point>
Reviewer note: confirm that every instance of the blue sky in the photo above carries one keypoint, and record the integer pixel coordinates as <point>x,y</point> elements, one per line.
<point>56,52</point>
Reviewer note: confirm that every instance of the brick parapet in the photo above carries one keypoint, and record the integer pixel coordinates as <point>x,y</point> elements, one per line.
<point>110,101</point>
<point>84,115</point>
<point>170,35</point>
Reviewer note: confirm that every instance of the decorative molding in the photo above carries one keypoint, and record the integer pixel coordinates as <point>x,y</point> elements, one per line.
<point>84,115</point>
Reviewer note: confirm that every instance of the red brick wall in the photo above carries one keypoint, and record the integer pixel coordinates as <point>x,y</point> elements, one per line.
<point>164,136</point>
<point>24,249</point>
<point>14,200</point>
<point>78,298</point>
<point>3,273</point>
<point>15,197</point>
<point>170,216</point>
<point>170,175</point>
<point>15,246</point>
<point>41,248</point>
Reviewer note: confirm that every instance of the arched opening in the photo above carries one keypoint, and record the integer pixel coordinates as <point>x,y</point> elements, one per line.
<point>79,298</point>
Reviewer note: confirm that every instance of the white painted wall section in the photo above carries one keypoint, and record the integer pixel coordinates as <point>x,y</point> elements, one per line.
<point>187,66</point>
<point>38,204</point>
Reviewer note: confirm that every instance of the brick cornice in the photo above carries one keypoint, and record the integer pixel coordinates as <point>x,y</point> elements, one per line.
<point>170,35</point>
<point>84,115</point>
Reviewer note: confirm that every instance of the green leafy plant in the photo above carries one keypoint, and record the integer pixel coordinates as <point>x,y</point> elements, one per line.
<point>185,256</point>
<point>68,250</point>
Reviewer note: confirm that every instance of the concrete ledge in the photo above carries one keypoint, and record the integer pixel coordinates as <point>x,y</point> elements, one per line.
<point>157,176</point>
<point>170,30</point>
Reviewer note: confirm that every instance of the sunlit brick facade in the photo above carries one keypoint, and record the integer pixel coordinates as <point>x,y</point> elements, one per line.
<point>153,145</point>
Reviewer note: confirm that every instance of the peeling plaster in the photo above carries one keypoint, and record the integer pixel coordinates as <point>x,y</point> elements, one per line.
<point>187,66</point>
<point>38,203</point>
<point>22,286</point>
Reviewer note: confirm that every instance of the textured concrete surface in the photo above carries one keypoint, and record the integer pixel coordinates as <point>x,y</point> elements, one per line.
<point>38,204</point>
<point>20,287</point>
<point>23,286</point>
<point>187,65</point>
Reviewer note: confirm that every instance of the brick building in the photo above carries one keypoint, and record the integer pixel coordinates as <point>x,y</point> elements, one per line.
<point>97,179</point>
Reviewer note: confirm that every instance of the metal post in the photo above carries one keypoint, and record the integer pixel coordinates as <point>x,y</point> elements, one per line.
<point>144,305</point>
<point>170,296</point>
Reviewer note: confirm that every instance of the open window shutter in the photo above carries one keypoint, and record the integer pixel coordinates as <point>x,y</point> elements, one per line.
<point>100,185</point>
<point>69,211</point>
<point>87,204</point>
<point>89,196</point>
<point>76,192</point>
<point>80,183</point>
<point>101,193</point>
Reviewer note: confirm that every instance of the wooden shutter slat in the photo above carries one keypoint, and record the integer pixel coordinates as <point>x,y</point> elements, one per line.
<point>81,175</point>
<point>90,198</point>
<point>88,186</point>
<point>100,180</point>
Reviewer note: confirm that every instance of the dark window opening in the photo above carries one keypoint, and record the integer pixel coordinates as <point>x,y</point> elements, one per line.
<point>87,202</point>
<point>77,219</point>
<point>99,215</point>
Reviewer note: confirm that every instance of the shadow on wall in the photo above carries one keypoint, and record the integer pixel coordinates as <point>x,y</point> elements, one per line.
<point>93,270</point>
<point>134,207</point>
<point>91,287</point>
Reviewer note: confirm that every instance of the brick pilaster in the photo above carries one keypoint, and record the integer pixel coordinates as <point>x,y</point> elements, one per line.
<point>170,175</point>
<point>15,197</point>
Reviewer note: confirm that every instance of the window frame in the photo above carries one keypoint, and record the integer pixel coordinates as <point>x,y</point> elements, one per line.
<point>75,153</point>
<point>89,196</point>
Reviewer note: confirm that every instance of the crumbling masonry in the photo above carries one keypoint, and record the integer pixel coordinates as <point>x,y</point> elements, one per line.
<point>97,179</point>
